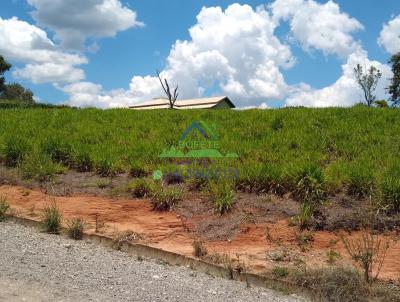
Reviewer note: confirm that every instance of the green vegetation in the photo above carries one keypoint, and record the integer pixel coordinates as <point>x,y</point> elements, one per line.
<point>222,195</point>
<point>52,219</point>
<point>75,228</point>
<point>314,152</point>
<point>4,207</point>
<point>280,271</point>
<point>163,197</point>
<point>140,187</point>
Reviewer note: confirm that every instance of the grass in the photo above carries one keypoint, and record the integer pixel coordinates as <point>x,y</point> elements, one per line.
<point>75,228</point>
<point>222,195</point>
<point>4,207</point>
<point>199,250</point>
<point>304,151</point>
<point>52,219</point>
<point>140,187</point>
<point>164,198</point>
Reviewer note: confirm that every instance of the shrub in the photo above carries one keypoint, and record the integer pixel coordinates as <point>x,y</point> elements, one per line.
<point>83,162</point>
<point>222,195</point>
<point>333,284</point>
<point>75,228</point>
<point>52,219</point>
<point>39,166</point>
<point>390,189</point>
<point>361,182</point>
<point>4,207</point>
<point>306,214</point>
<point>106,168</point>
<point>164,198</point>
<point>59,151</point>
<point>15,150</point>
<point>369,252</point>
<point>280,272</point>
<point>199,250</point>
<point>140,188</point>
<point>311,184</point>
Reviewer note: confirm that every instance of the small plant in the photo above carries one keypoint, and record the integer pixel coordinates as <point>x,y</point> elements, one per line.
<point>52,219</point>
<point>311,184</point>
<point>332,256</point>
<point>222,195</point>
<point>369,252</point>
<point>361,183</point>
<point>15,150</point>
<point>304,240</point>
<point>137,170</point>
<point>280,272</point>
<point>103,183</point>
<point>199,250</point>
<point>305,216</point>
<point>38,166</point>
<point>391,193</point>
<point>164,198</point>
<point>140,188</point>
<point>277,124</point>
<point>83,161</point>
<point>106,168</point>
<point>4,207</point>
<point>75,228</point>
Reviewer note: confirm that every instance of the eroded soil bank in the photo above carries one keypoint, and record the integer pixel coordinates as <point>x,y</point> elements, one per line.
<point>259,244</point>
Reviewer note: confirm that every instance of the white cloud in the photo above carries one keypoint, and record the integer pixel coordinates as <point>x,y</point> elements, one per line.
<point>74,21</point>
<point>345,91</point>
<point>235,50</point>
<point>389,37</point>
<point>26,43</point>
<point>319,26</point>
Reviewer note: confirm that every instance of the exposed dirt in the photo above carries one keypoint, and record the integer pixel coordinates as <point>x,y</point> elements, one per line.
<point>256,231</point>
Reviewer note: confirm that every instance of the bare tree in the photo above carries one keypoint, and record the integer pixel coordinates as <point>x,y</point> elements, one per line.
<point>171,96</point>
<point>368,82</point>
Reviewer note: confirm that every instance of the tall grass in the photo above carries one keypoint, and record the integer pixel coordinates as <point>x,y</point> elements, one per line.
<point>309,151</point>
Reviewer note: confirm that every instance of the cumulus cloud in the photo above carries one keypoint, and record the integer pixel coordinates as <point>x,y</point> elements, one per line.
<point>26,43</point>
<point>389,37</point>
<point>345,91</point>
<point>235,50</point>
<point>74,21</point>
<point>319,26</point>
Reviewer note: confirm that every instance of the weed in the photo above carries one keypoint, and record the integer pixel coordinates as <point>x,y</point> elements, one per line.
<point>106,168</point>
<point>137,171</point>
<point>199,250</point>
<point>4,207</point>
<point>15,150</point>
<point>333,284</point>
<point>52,219</point>
<point>277,124</point>
<point>361,182</point>
<point>280,271</point>
<point>311,184</point>
<point>304,240</point>
<point>332,256</point>
<point>164,198</point>
<point>38,166</point>
<point>75,228</point>
<point>369,252</point>
<point>305,216</point>
<point>140,187</point>
<point>103,183</point>
<point>222,195</point>
<point>391,193</point>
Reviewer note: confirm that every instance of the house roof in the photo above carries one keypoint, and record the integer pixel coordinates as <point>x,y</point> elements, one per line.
<point>204,103</point>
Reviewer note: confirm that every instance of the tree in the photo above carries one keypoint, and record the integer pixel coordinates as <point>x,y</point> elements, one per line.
<point>171,96</point>
<point>368,82</point>
<point>394,88</point>
<point>4,66</point>
<point>18,93</point>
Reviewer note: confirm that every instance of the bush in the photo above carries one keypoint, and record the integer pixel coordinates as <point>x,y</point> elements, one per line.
<point>140,188</point>
<point>75,228</point>
<point>15,150</point>
<point>222,195</point>
<point>164,198</point>
<point>52,219</point>
<point>311,184</point>
<point>333,284</point>
<point>59,151</point>
<point>390,189</point>
<point>4,207</point>
<point>83,162</point>
<point>361,182</point>
<point>39,166</point>
<point>106,168</point>
<point>280,272</point>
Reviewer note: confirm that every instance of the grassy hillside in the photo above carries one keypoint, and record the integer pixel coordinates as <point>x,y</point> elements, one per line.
<point>356,148</point>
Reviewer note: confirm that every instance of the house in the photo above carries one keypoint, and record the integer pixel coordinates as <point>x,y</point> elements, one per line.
<point>221,102</point>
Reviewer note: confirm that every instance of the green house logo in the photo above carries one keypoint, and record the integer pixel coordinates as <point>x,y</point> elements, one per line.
<point>199,140</point>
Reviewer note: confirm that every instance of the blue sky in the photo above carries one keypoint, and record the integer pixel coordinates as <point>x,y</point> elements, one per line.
<point>140,50</point>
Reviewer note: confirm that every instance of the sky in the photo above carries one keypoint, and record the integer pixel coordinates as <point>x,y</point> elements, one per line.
<point>266,54</point>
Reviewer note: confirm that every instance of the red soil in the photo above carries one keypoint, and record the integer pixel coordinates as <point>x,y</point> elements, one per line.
<point>165,230</point>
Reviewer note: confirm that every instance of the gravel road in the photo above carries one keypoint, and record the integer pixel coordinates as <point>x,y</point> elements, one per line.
<point>41,267</point>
